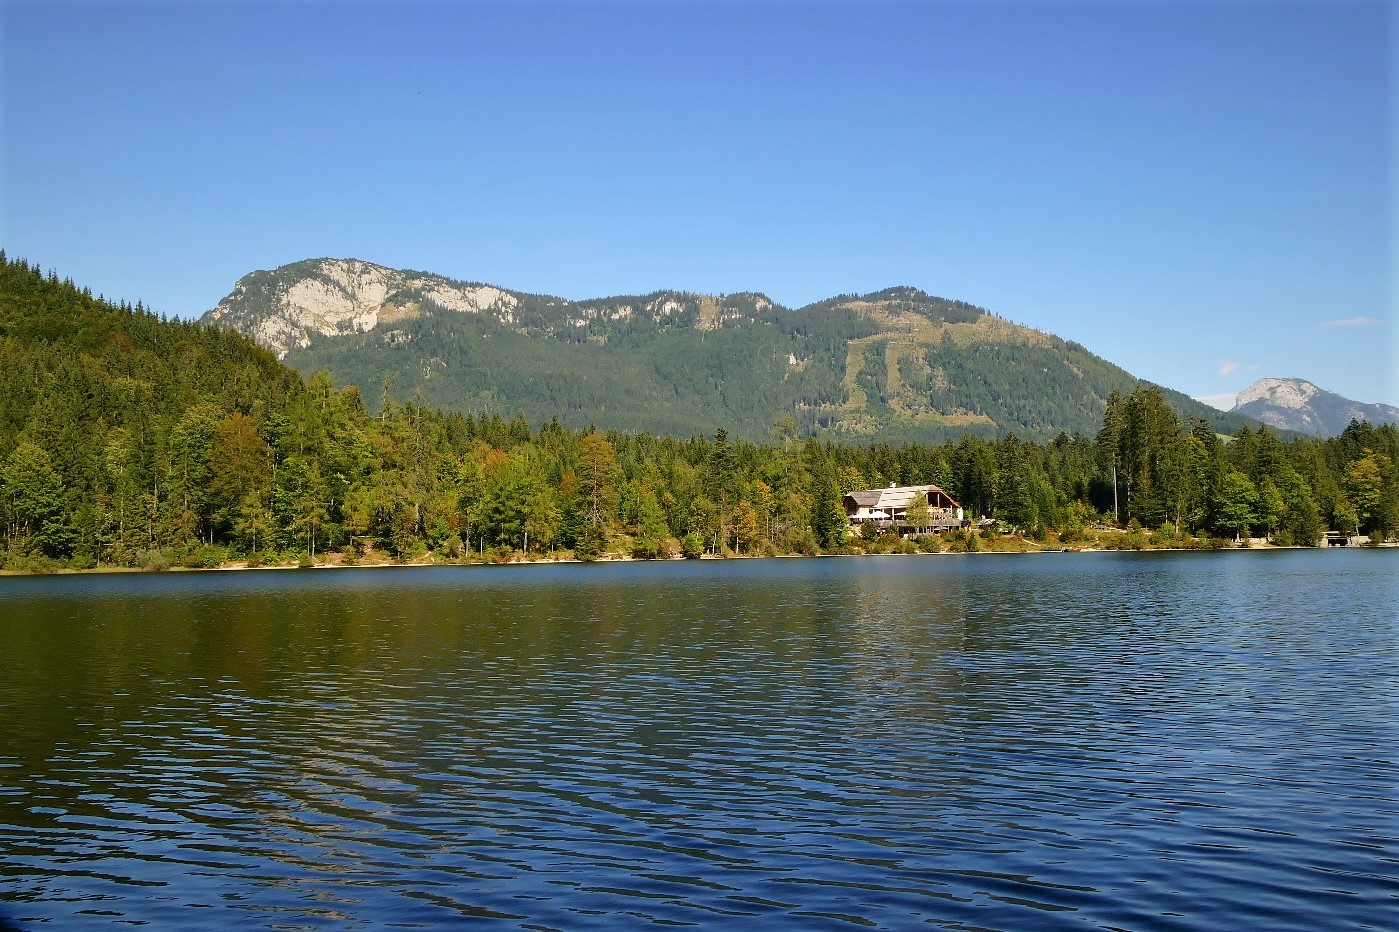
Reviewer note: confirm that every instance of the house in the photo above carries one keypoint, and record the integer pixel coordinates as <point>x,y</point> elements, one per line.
<point>889,507</point>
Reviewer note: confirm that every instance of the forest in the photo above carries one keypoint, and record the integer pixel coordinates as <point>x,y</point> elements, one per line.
<point>897,365</point>
<point>131,440</point>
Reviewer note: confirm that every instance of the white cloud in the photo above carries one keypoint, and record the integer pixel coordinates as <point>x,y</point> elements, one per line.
<point>1355,322</point>
<point>1227,368</point>
<point>1222,402</point>
<point>1254,368</point>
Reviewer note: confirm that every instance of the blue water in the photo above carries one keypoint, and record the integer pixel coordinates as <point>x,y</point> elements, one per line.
<point>1076,741</point>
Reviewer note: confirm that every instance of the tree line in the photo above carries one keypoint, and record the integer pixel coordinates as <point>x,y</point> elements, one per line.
<point>131,440</point>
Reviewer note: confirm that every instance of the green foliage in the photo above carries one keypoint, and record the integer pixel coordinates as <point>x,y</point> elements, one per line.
<point>1238,504</point>
<point>589,545</point>
<point>131,441</point>
<point>801,540</point>
<point>33,502</point>
<point>692,546</point>
<point>828,521</point>
<point>1364,486</point>
<point>918,515</point>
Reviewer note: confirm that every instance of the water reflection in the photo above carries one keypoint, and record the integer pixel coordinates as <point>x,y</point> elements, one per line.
<point>1153,741</point>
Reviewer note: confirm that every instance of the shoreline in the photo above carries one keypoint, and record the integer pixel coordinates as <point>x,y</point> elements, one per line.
<point>241,565</point>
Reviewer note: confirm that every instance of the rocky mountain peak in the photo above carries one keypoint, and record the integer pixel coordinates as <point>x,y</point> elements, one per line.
<point>1296,404</point>
<point>1286,393</point>
<point>285,308</point>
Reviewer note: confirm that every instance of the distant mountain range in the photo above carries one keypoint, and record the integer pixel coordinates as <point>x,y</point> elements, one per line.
<point>1298,405</point>
<point>897,364</point>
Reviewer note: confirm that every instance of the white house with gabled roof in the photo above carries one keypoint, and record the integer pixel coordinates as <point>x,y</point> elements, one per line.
<point>889,507</point>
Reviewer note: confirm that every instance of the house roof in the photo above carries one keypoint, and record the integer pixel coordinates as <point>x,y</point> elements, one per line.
<point>893,497</point>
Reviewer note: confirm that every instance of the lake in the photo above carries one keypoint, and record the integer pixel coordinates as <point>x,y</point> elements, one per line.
<point>1053,741</point>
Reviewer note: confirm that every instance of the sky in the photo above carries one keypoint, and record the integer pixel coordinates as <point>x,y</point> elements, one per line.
<point>1200,192</point>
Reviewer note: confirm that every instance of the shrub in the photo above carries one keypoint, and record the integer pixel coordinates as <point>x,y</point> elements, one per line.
<point>30,563</point>
<point>692,546</point>
<point>203,557</point>
<point>802,540</point>
<point>155,560</point>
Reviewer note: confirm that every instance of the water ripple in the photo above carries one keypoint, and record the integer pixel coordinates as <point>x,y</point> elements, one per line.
<point>1090,741</point>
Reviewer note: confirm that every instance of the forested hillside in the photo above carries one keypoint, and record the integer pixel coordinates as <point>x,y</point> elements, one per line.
<point>128,440</point>
<point>894,365</point>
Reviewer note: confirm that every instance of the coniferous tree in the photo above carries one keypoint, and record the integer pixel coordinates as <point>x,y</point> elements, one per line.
<point>129,440</point>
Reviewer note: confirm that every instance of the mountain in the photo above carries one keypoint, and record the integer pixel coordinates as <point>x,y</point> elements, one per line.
<point>1296,404</point>
<point>897,364</point>
<point>286,308</point>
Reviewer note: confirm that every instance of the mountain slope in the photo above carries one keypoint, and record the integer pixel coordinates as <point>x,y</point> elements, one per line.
<point>120,432</point>
<point>1299,405</point>
<point>83,364</point>
<point>892,365</point>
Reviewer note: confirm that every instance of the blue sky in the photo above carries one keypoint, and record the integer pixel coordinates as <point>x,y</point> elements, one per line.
<point>1202,193</point>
